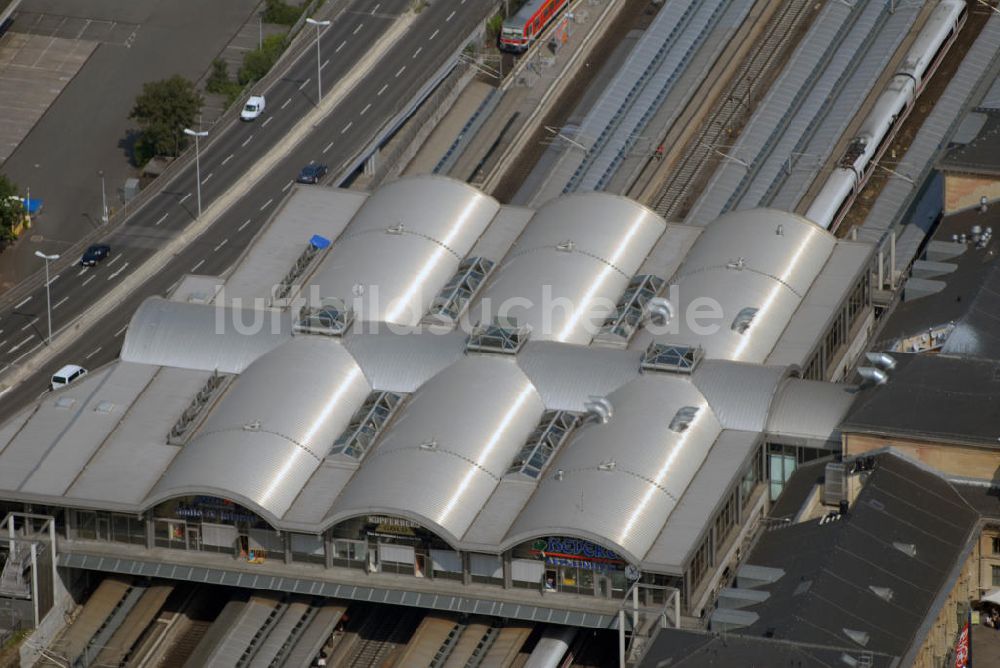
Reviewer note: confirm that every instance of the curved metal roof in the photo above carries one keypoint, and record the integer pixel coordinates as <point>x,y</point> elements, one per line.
<point>570,265</point>
<point>202,336</point>
<point>402,246</point>
<point>620,480</point>
<point>399,360</point>
<point>740,394</point>
<point>272,429</point>
<point>446,452</point>
<point>567,376</point>
<point>810,411</point>
<point>756,265</point>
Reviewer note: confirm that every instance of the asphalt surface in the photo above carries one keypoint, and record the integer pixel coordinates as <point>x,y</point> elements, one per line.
<point>434,37</point>
<point>86,129</point>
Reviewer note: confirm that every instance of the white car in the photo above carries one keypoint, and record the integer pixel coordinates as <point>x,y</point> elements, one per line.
<point>253,108</point>
<point>67,375</point>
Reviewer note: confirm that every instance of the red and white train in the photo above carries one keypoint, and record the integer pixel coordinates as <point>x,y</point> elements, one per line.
<point>887,115</point>
<point>519,31</point>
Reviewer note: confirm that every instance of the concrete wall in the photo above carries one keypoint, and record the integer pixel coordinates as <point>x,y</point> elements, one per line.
<point>969,461</point>
<point>962,191</point>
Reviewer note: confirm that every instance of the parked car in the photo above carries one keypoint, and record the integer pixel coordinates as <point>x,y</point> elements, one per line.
<point>312,174</point>
<point>67,375</point>
<point>253,108</point>
<point>95,254</point>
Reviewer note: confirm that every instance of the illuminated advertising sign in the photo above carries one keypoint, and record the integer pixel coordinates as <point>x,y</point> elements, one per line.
<point>576,553</point>
<point>213,509</point>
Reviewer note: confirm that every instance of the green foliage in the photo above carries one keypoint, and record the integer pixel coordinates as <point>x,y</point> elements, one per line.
<point>281,13</point>
<point>256,63</point>
<point>493,25</point>
<point>219,78</point>
<point>11,211</point>
<point>163,110</point>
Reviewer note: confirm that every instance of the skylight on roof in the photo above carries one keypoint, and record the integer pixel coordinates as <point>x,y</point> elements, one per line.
<point>331,318</point>
<point>743,319</point>
<point>552,431</point>
<point>860,637</point>
<point>366,424</point>
<point>671,357</point>
<point>683,418</point>
<point>503,335</point>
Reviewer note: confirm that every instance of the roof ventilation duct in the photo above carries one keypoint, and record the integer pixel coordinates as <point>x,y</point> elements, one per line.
<point>738,264</point>
<point>599,409</point>
<point>882,361</point>
<point>252,426</point>
<point>567,246</point>
<point>607,466</point>
<point>396,229</point>
<point>659,311</point>
<point>429,445</point>
<point>871,376</point>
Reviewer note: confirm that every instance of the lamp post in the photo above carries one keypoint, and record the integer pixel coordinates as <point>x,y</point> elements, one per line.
<point>48,294</point>
<point>319,68</point>
<point>104,199</point>
<point>197,161</point>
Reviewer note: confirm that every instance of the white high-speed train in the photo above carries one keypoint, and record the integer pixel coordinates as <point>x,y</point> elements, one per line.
<point>888,113</point>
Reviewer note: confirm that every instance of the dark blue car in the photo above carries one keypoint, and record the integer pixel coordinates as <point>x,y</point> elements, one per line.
<point>312,174</point>
<point>94,255</point>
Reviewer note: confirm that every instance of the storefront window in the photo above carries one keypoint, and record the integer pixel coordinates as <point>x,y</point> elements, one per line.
<point>393,544</point>
<point>574,566</point>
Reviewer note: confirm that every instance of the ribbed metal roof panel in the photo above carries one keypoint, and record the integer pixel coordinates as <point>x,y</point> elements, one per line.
<point>447,450</point>
<point>399,360</point>
<point>810,410</point>
<point>202,336</point>
<point>570,265</point>
<point>740,394</point>
<point>272,428</point>
<point>403,245</point>
<point>620,480</point>
<point>567,377</point>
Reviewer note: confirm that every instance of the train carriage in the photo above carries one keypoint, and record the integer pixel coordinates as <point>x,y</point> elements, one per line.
<point>519,31</point>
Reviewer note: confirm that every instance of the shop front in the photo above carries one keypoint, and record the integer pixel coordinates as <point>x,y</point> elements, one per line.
<point>213,524</point>
<point>574,566</point>
<point>385,543</point>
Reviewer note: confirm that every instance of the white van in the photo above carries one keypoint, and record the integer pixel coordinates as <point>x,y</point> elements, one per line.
<point>67,375</point>
<point>254,108</point>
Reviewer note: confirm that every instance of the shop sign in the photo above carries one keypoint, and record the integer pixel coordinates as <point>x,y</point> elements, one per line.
<point>391,527</point>
<point>213,509</point>
<point>963,648</point>
<point>578,553</point>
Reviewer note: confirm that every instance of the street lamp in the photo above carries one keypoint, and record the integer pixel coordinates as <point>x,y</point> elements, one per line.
<point>48,294</point>
<point>319,68</point>
<point>197,161</point>
<point>104,199</point>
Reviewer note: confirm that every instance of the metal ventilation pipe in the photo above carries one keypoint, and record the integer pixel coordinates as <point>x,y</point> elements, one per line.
<point>872,376</point>
<point>883,361</point>
<point>659,311</point>
<point>599,409</point>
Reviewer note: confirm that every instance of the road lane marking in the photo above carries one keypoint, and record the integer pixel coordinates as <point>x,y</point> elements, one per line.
<point>93,352</point>
<point>304,83</point>
<point>342,44</point>
<point>205,180</point>
<point>433,35</point>
<point>328,147</point>
<point>14,349</point>
<point>266,204</point>
<point>245,223</point>
<point>23,303</point>
<point>367,107</point>
<point>417,52</point>
<point>2,343</point>
<point>376,8</point>
<point>325,63</point>
<point>183,199</point>
<point>121,331</point>
<point>114,259</point>
<point>224,242</point>
<point>120,270</point>
<point>30,324</point>
<point>246,141</point>
<point>287,186</point>
<point>82,272</point>
<point>449,17</point>
<point>88,280</point>
<point>195,268</point>
<point>164,216</point>
<point>60,303</point>
<point>382,89</point>
<point>53,279</point>
<point>358,29</point>
<point>287,102</point>
<point>266,121</point>
<point>401,70</point>
<point>228,158</point>
<point>347,127</point>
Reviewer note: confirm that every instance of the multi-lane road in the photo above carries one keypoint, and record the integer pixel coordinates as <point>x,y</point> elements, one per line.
<point>433,38</point>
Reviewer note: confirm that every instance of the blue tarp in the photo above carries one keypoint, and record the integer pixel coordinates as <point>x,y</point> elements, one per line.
<point>33,205</point>
<point>319,242</point>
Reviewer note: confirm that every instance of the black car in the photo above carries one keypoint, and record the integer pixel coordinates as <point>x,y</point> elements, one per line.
<point>312,174</point>
<point>94,255</point>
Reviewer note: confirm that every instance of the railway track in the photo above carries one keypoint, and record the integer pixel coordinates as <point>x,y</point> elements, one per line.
<point>676,193</point>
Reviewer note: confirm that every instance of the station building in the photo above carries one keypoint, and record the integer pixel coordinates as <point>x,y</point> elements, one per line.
<point>422,397</point>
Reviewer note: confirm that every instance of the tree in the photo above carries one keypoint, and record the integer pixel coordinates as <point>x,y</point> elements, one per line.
<point>256,63</point>
<point>11,211</point>
<point>280,12</point>
<point>163,110</point>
